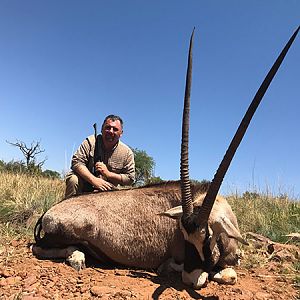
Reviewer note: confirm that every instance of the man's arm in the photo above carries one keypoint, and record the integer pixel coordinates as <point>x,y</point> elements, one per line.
<point>127,177</point>
<point>96,182</point>
<point>79,165</point>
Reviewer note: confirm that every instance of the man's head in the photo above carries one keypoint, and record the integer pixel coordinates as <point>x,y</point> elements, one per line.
<point>112,130</point>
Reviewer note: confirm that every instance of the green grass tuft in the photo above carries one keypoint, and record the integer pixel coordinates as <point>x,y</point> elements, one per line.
<point>273,217</point>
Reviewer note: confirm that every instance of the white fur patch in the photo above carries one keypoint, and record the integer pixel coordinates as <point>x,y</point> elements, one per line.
<point>76,259</point>
<point>226,276</point>
<point>197,278</point>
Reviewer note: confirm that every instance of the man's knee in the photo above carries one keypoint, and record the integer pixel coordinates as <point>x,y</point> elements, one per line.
<point>72,185</point>
<point>72,180</point>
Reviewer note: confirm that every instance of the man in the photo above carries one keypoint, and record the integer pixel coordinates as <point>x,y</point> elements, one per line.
<point>101,164</point>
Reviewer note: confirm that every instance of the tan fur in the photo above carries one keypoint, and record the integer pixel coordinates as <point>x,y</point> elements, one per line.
<point>125,225</point>
<point>221,209</point>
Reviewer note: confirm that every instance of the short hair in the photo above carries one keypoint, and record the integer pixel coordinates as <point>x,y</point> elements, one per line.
<point>113,118</point>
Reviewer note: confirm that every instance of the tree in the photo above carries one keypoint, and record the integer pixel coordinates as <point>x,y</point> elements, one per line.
<point>30,153</point>
<point>144,167</point>
<point>51,174</point>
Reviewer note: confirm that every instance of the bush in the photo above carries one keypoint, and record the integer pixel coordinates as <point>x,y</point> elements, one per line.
<point>19,167</point>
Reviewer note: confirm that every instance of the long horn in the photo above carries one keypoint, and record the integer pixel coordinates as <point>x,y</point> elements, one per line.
<point>208,202</point>
<point>187,205</point>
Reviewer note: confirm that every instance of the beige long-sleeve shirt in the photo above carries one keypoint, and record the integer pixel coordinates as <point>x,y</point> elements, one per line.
<point>120,160</point>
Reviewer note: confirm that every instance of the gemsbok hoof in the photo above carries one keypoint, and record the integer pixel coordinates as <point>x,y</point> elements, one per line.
<point>226,276</point>
<point>76,259</point>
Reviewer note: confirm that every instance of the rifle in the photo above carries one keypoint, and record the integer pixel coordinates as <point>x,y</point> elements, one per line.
<point>97,157</point>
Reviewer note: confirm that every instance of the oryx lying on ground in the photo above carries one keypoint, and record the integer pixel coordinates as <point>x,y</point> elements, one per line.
<point>168,225</point>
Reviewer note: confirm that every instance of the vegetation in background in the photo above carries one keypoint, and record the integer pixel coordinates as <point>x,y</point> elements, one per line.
<point>31,165</point>
<point>144,168</point>
<point>19,167</point>
<point>273,217</point>
<point>23,198</point>
<point>30,152</point>
<point>270,216</point>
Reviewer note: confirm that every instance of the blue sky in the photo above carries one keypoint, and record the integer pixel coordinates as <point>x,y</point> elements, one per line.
<point>67,64</point>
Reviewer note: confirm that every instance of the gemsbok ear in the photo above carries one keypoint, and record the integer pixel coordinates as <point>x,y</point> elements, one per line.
<point>223,224</point>
<point>173,213</point>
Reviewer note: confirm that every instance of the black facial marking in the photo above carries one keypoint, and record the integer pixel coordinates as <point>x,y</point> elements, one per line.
<point>192,259</point>
<point>221,247</point>
<point>208,257</point>
<point>190,225</point>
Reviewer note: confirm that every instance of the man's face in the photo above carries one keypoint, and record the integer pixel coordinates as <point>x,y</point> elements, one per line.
<point>111,132</point>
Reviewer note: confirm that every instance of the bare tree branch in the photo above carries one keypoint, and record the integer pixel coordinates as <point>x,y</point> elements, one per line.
<point>30,152</point>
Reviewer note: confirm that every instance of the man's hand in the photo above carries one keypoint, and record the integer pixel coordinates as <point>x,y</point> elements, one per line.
<point>98,183</point>
<point>101,184</point>
<point>114,178</point>
<point>102,169</point>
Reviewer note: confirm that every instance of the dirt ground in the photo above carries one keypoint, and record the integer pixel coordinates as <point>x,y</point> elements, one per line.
<point>22,276</point>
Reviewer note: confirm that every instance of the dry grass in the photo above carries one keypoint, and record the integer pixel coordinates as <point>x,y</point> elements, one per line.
<point>23,198</point>
<point>271,216</point>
